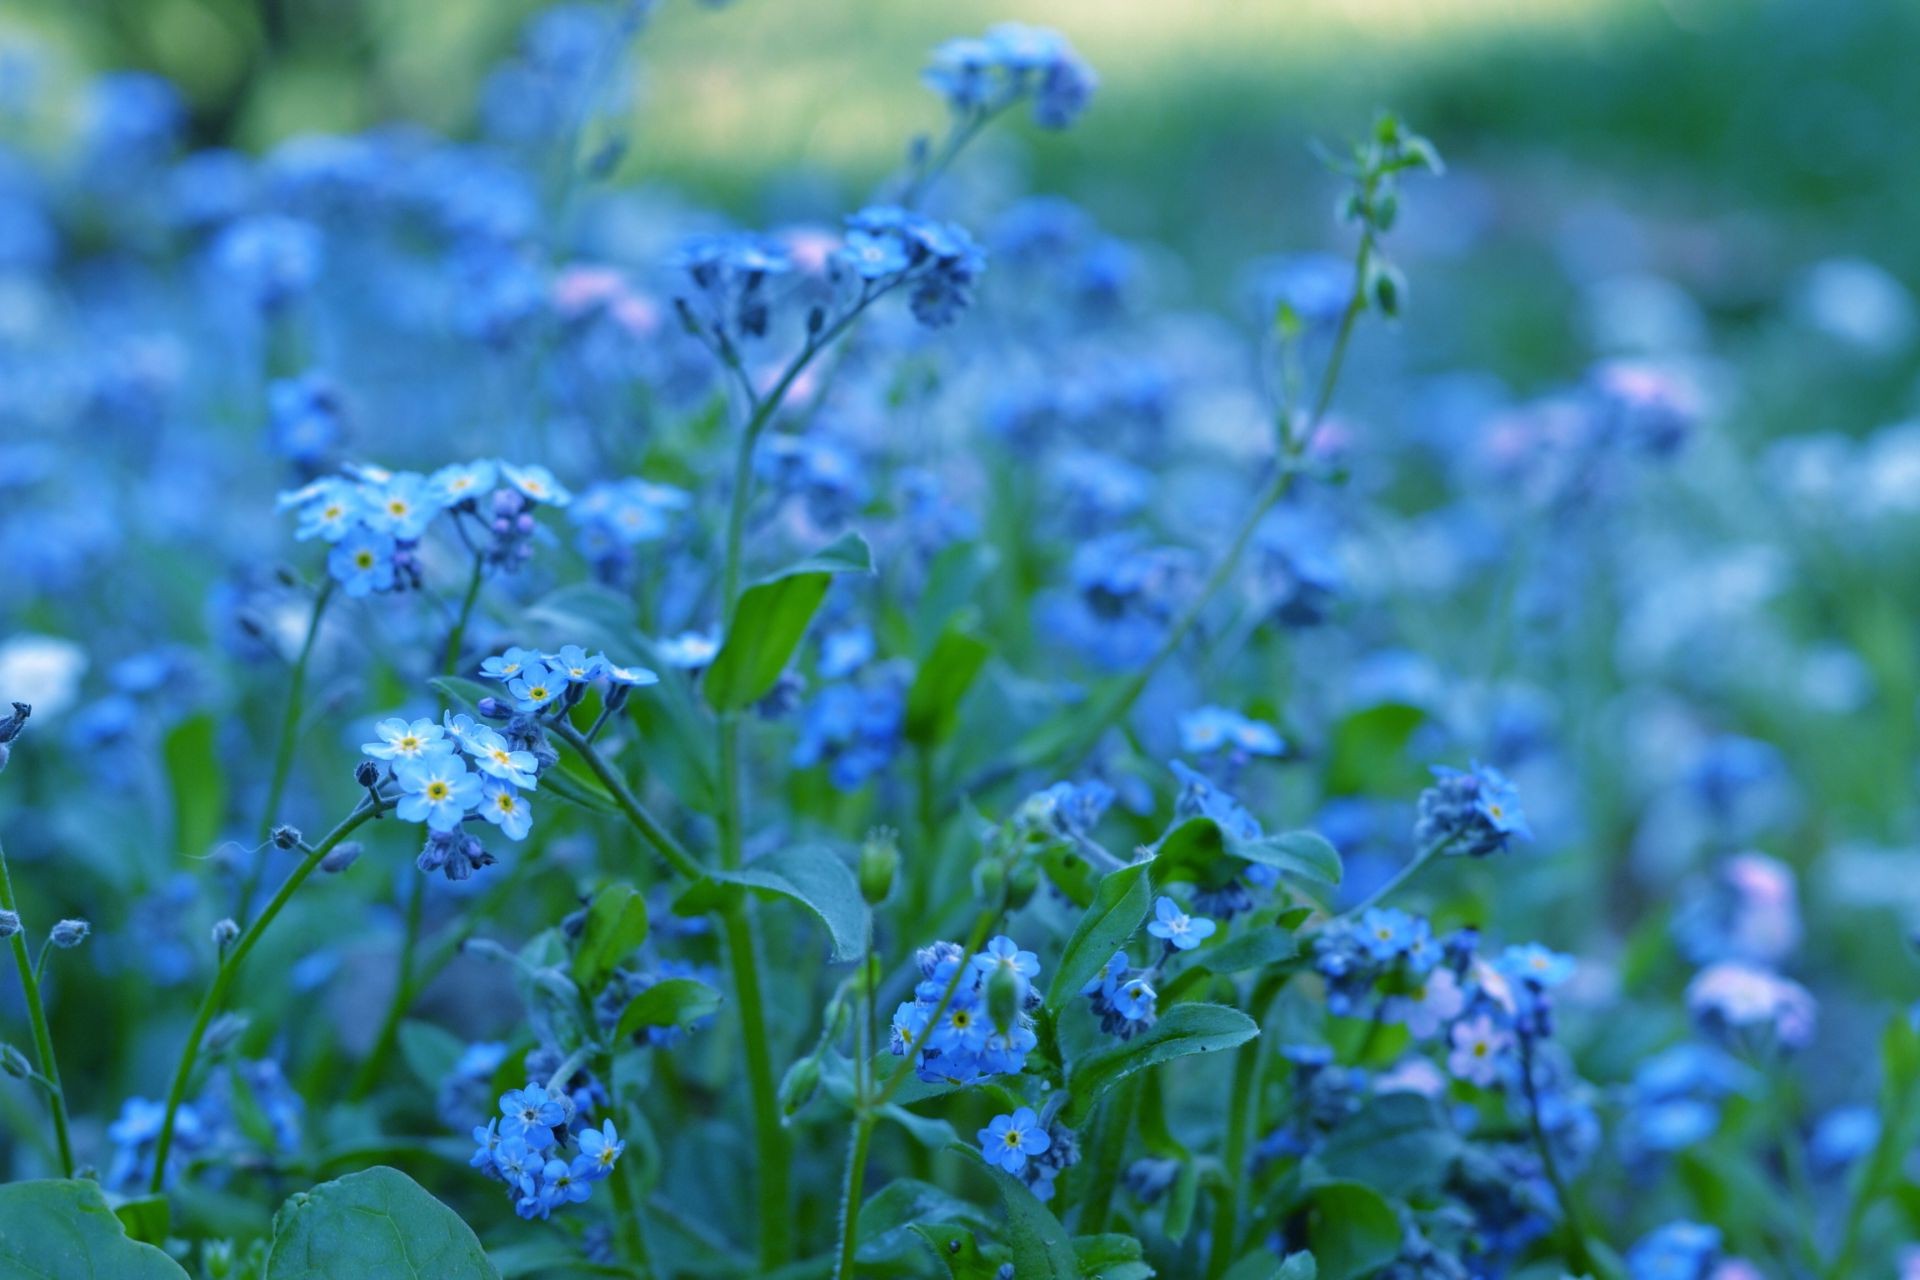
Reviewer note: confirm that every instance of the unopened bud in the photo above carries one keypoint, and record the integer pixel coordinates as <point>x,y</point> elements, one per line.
<point>1003,998</point>
<point>223,1032</point>
<point>340,857</point>
<point>990,881</point>
<point>879,863</point>
<point>366,773</point>
<point>225,930</point>
<point>1022,884</point>
<point>9,923</point>
<point>285,837</point>
<point>14,1062</point>
<point>492,708</point>
<point>799,1085</point>
<point>11,726</point>
<point>69,933</point>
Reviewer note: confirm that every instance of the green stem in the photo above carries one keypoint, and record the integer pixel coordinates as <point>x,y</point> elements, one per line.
<point>770,1138</point>
<point>37,1016</point>
<point>283,753</point>
<point>459,632</point>
<point>858,1144</point>
<point>1115,706</point>
<point>629,805</point>
<point>1109,1146</point>
<point>229,970</point>
<point>1399,879</point>
<point>1580,1254</point>
<point>1240,1107</point>
<point>629,1231</point>
<point>404,991</point>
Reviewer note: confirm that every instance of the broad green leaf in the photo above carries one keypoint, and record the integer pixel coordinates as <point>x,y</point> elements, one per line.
<point>1041,1249</point>
<point>1257,948</point>
<point>199,784</point>
<point>577,789</point>
<point>616,924</point>
<point>812,875</point>
<point>933,701</point>
<point>57,1229</point>
<point>1180,1202</point>
<point>1120,903</point>
<point>1184,1029</point>
<point>1298,1266</point>
<point>670,1002</point>
<point>958,1248</point>
<point>1069,871</point>
<point>464,692</point>
<point>146,1218</point>
<point>1202,852</point>
<point>1300,853</point>
<point>770,619</point>
<point>1352,1229</point>
<point>378,1223</point>
<point>953,584</point>
<point>907,1200</point>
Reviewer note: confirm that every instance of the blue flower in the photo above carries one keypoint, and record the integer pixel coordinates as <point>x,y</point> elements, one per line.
<point>330,508</point>
<point>1004,953</point>
<point>536,484</point>
<point>1178,929</point>
<point>1008,1140</point>
<point>439,791</point>
<point>513,662</point>
<point>631,677</point>
<point>1210,729</point>
<point>577,664</point>
<point>601,1148</point>
<point>1677,1251</point>
<point>401,740</point>
<point>461,481</point>
<point>403,506</point>
<point>1475,812</point>
<point>532,1114</point>
<point>537,687</point>
<point>362,562</point>
<point>1535,964</point>
<point>495,757</point>
<point>505,808</point>
<point>269,258</point>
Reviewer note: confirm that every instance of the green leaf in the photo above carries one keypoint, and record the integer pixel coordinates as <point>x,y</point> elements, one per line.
<point>1120,903</point>
<point>576,789</point>
<point>1184,1029</point>
<point>848,553</point>
<point>1111,1256</point>
<point>1255,949</point>
<point>429,1051</point>
<point>812,875</point>
<point>958,1248</point>
<point>1181,1201</point>
<point>462,691</point>
<point>146,1218</point>
<point>1397,1144</point>
<point>199,784</point>
<point>1368,751</point>
<point>1041,1249</point>
<point>954,579</point>
<point>616,924</point>
<point>57,1229</point>
<point>770,619</point>
<point>933,702</point>
<point>1199,849</point>
<point>378,1223</point>
<point>1264,1266</point>
<point>670,1002</point>
<point>1352,1230</point>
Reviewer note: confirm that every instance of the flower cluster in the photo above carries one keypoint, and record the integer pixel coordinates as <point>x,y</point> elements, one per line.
<point>247,1108</point>
<point>1031,1149</point>
<point>453,771</point>
<point>1475,812</point>
<point>984,1028</point>
<point>374,519</point>
<point>983,75</point>
<point>1123,997</point>
<point>526,1148</point>
<point>887,246</point>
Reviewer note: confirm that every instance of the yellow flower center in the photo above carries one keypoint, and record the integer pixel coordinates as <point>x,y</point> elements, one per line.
<point>363,559</point>
<point>438,790</point>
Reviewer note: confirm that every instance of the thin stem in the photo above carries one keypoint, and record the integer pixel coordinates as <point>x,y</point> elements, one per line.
<point>1399,879</point>
<point>1581,1254</point>
<point>37,1016</point>
<point>858,1144</point>
<point>283,753</point>
<point>628,1229</point>
<point>459,632</point>
<point>1287,468</point>
<point>629,805</point>
<point>229,970</point>
<point>770,1137</point>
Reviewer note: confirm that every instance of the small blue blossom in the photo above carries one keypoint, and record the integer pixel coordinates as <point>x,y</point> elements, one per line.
<point>403,740</point>
<point>362,562</point>
<point>1476,812</point>
<point>438,791</point>
<point>505,808</point>
<point>1008,1140</point>
<point>1178,929</point>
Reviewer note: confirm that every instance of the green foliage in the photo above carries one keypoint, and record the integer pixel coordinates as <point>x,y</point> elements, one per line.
<point>933,701</point>
<point>63,1230</point>
<point>670,1002</point>
<point>1120,903</point>
<point>378,1222</point>
<point>812,875</point>
<point>771,618</point>
<point>199,784</point>
<point>1182,1030</point>
<point>616,925</point>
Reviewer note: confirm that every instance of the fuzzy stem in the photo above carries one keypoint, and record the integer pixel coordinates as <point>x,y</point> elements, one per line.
<point>37,1016</point>
<point>283,753</point>
<point>229,970</point>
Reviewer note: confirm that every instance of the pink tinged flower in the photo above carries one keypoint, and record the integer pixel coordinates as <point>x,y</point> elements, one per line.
<point>1737,998</point>
<point>1413,1075</point>
<point>1478,1046</point>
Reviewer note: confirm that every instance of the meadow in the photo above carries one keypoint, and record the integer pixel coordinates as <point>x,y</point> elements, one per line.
<point>1229,641</point>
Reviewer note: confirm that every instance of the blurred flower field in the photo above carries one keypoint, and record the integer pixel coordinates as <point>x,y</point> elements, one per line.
<point>1244,642</point>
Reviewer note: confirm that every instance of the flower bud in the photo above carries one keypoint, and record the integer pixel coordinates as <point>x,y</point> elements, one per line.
<point>801,1082</point>
<point>285,837</point>
<point>14,1062</point>
<point>367,773</point>
<point>9,923</point>
<point>990,881</point>
<point>225,931</point>
<point>1022,884</point>
<point>879,863</point>
<point>1004,998</point>
<point>223,1032</point>
<point>340,857</point>
<point>69,933</point>
<point>11,726</point>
